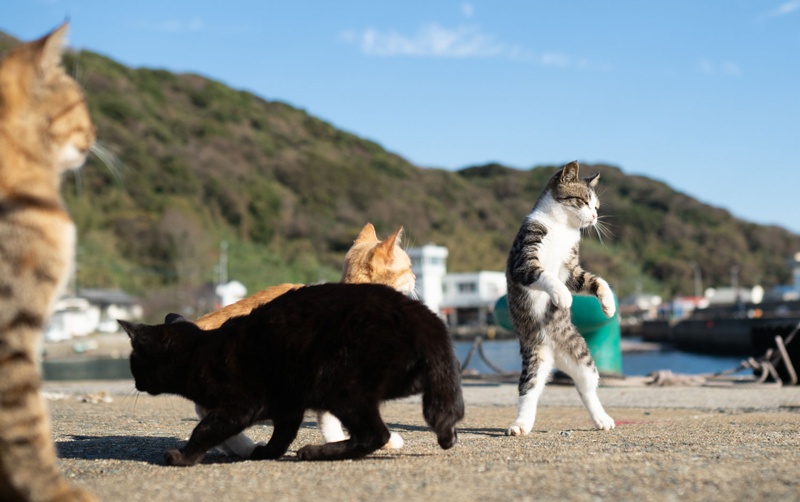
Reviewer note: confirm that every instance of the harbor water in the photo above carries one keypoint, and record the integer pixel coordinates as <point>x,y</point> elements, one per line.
<point>502,353</point>
<point>505,355</point>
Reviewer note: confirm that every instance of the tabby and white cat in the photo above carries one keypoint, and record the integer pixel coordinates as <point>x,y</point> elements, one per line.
<point>45,130</point>
<point>369,260</point>
<point>542,272</point>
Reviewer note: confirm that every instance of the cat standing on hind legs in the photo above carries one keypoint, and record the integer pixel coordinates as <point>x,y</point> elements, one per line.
<point>45,130</point>
<point>542,273</point>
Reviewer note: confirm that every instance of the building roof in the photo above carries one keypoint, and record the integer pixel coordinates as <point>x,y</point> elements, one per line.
<point>107,296</point>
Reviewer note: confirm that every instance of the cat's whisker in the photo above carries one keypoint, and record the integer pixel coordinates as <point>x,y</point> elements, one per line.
<point>111,161</point>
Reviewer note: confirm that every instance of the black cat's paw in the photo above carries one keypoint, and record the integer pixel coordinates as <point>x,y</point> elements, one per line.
<point>265,453</point>
<point>310,452</point>
<point>177,458</point>
<point>448,440</point>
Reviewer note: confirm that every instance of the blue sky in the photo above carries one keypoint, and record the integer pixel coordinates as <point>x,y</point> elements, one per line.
<point>704,95</point>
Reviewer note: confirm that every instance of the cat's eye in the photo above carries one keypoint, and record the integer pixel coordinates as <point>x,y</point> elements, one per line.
<point>581,200</point>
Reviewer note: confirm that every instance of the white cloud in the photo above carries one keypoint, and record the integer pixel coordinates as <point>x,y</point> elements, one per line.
<point>725,67</point>
<point>195,25</point>
<point>464,42</point>
<point>555,59</point>
<point>784,9</point>
<point>467,9</point>
<point>433,40</point>
<point>731,68</point>
<point>706,66</point>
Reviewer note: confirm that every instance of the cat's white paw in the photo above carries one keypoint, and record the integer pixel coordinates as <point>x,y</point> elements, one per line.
<point>560,296</point>
<point>518,429</point>
<point>603,422</point>
<point>395,442</point>
<point>606,298</point>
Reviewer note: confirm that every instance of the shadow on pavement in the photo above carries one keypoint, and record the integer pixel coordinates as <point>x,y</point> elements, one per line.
<point>148,449</point>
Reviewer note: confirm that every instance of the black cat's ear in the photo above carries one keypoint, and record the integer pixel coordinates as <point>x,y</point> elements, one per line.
<point>592,180</point>
<point>570,172</point>
<point>131,328</point>
<point>172,318</point>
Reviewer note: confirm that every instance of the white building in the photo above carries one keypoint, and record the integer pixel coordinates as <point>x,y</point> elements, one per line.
<point>91,311</point>
<point>230,292</point>
<point>732,296</point>
<point>429,264</point>
<point>469,297</point>
<point>463,299</point>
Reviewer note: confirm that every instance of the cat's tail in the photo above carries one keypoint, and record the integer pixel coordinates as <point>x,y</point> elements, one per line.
<point>442,402</point>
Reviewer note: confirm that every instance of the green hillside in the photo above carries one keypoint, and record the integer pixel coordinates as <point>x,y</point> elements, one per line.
<point>289,192</point>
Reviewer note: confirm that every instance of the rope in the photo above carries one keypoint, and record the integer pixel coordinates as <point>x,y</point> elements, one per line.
<point>763,367</point>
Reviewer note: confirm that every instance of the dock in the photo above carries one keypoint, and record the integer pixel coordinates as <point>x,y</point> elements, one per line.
<point>669,444</point>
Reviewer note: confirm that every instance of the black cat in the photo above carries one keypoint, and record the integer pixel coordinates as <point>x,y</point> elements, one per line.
<point>342,348</point>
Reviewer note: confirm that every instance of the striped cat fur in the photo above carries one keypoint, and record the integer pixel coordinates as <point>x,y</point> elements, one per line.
<point>542,272</point>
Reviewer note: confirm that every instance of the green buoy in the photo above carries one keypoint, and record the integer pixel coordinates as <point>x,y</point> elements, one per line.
<point>601,333</point>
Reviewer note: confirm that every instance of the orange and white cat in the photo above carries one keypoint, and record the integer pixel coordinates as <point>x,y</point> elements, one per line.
<point>369,260</point>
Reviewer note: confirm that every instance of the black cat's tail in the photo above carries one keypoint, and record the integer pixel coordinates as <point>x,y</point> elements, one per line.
<point>442,402</point>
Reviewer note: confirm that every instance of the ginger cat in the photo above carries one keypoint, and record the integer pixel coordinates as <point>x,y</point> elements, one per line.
<point>369,260</point>
<point>45,130</point>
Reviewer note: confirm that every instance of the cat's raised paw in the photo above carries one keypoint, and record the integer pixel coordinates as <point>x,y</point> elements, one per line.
<point>606,298</point>
<point>395,442</point>
<point>177,458</point>
<point>603,422</point>
<point>561,297</point>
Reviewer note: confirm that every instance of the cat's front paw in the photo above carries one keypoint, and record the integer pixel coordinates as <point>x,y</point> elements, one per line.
<point>264,452</point>
<point>606,298</point>
<point>395,442</point>
<point>309,452</point>
<point>518,429</point>
<point>560,296</point>
<point>603,422</point>
<point>177,458</point>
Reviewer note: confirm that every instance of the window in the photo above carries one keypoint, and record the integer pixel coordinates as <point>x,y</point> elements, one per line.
<point>467,287</point>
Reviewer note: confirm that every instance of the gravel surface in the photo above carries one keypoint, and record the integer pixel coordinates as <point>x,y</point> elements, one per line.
<point>669,444</point>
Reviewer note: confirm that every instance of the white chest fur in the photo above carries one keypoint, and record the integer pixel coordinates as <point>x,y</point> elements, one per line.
<point>554,254</point>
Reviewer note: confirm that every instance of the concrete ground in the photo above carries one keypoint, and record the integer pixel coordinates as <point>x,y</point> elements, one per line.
<point>669,444</point>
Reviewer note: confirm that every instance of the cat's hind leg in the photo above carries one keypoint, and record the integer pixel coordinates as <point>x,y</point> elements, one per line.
<point>575,360</point>
<point>332,431</point>
<point>367,434</point>
<point>239,444</point>
<point>330,427</point>
<point>218,425</point>
<point>537,363</point>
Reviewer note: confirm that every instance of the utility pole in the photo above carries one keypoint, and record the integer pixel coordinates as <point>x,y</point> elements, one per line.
<point>698,279</point>
<point>735,277</point>
<point>223,262</point>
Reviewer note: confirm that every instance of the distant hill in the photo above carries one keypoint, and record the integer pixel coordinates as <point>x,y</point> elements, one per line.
<point>204,162</point>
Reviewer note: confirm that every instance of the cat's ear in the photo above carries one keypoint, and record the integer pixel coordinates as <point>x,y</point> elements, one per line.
<point>592,180</point>
<point>47,50</point>
<point>131,328</point>
<point>386,247</point>
<point>570,172</point>
<point>171,318</point>
<point>367,234</point>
